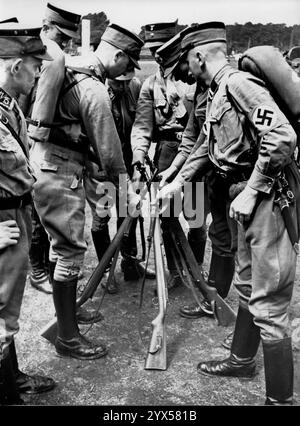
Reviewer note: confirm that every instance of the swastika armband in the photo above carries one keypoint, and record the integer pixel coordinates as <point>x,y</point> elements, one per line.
<point>264,118</point>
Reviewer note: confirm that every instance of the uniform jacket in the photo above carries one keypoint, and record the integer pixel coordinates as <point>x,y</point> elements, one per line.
<point>85,108</point>
<point>16,176</point>
<point>244,130</point>
<point>193,128</point>
<point>46,91</point>
<point>164,104</point>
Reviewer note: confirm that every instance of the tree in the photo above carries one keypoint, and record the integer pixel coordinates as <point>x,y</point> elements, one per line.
<point>99,22</point>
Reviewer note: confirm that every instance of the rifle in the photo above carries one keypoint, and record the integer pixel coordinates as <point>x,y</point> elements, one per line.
<point>157,353</point>
<point>49,332</point>
<point>222,311</point>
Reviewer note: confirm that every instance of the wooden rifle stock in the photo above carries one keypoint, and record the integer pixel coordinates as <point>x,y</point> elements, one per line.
<point>157,353</point>
<point>222,311</point>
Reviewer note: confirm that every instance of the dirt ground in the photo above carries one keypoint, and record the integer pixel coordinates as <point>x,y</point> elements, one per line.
<point>120,378</point>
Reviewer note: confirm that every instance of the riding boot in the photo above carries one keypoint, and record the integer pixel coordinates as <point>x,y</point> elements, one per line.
<point>39,274</point>
<point>244,346</point>
<point>197,241</point>
<point>101,240</point>
<point>30,384</point>
<point>9,394</point>
<point>279,371</point>
<point>221,273</point>
<point>69,341</point>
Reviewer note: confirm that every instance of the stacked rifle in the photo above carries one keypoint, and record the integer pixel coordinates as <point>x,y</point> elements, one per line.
<point>185,263</point>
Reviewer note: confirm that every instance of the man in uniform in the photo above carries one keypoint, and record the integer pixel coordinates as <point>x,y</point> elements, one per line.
<point>124,92</point>
<point>59,26</point>
<point>21,54</point>
<point>223,238</point>
<point>250,143</point>
<point>162,114</point>
<point>82,119</point>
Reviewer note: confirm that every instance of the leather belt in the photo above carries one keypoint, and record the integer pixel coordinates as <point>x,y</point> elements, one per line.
<point>8,203</point>
<point>169,135</point>
<point>233,176</point>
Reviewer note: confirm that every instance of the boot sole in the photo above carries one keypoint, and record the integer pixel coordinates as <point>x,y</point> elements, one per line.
<point>67,354</point>
<point>247,378</point>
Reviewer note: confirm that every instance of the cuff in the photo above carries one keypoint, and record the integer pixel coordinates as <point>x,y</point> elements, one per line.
<point>260,182</point>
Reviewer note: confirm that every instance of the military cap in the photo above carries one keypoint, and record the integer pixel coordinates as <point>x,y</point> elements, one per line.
<point>200,34</point>
<point>159,33</point>
<point>124,40</point>
<point>14,19</point>
<point>18,42</point>
<point>169,54</point>
<point>66,22</point>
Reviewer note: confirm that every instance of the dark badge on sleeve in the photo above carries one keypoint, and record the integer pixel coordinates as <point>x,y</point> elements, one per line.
<point>264,117</point>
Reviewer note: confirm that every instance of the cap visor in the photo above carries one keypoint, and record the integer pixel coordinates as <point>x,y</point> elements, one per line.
<point>135,62</point>
<point>69,33</point>
<point>44,56</point>
<point>168,70</point>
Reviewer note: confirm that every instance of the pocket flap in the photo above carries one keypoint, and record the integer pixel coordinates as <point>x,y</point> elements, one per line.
<point>48,167</point>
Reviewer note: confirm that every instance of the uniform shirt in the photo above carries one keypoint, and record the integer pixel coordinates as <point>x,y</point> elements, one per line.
<point>164,104</point>
<point>46,91</point>
<point>245,130</point>
<point>193,128</point>
<point>16,176</point>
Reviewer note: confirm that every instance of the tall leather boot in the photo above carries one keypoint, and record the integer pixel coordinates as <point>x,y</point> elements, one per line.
<point>279,371</point>
<point>39,273</point>
<point>197,240</point>
<point>69,341</point>
<point>30,384</point>
<point>101,240</point>
<point>83,315</point>
<point>9,394</point>
<point>221,273</point>
<point>244,346</point>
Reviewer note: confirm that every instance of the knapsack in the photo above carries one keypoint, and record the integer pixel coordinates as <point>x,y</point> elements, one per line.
<point>268,64</point>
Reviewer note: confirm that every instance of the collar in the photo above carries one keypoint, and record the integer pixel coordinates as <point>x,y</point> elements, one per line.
<point>6,100</point>
<point>217,78</point>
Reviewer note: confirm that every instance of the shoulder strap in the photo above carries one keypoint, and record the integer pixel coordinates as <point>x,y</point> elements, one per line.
<point>4,121</point>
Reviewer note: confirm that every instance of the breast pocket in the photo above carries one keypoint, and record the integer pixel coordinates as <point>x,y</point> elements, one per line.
<point>226,125</point>
<point>11,154</point>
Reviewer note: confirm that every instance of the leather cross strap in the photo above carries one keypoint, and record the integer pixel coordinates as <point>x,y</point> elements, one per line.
<point>4,121</point>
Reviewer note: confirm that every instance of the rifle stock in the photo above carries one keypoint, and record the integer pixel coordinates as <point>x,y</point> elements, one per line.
<point>222,311</point>
<point>157,353</point>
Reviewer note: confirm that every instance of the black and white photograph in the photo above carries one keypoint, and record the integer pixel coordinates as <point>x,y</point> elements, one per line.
<point>149,206</point>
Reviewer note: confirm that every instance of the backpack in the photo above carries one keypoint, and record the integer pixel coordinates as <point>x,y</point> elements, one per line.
<point>269,65</point>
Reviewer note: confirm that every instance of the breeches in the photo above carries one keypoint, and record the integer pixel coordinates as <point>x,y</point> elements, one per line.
<point>13,272</point>
<point>266,269</point>
<point>59,199</point>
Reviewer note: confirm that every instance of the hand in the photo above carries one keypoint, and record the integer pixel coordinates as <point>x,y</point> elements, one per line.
<point>166,176</point>
<point>136,177</point>
<point>166,193</point>
<point>242,206</point>
<point>9,233</point>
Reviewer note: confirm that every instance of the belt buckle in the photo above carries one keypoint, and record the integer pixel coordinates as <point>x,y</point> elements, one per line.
<point>178,136</point>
